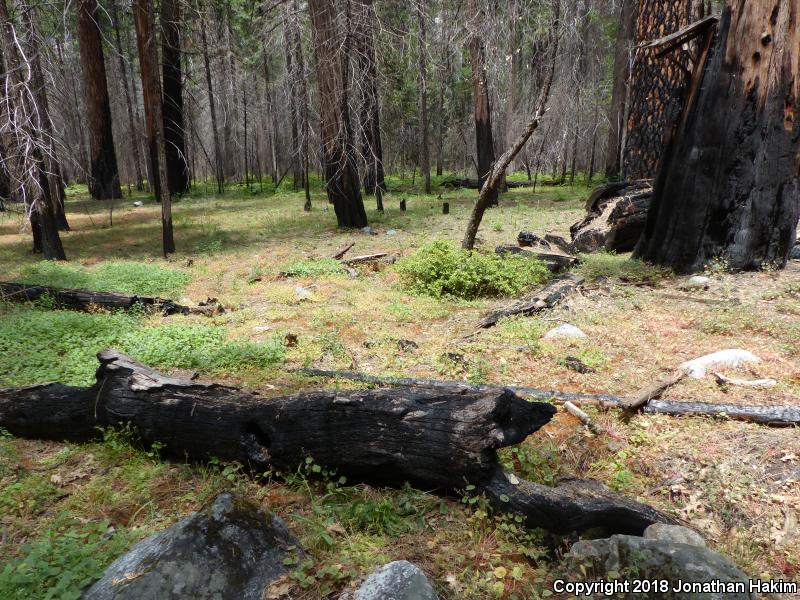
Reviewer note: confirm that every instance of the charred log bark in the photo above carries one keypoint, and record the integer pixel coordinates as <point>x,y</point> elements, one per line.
<point>87,300</point>
<point>431,437</point>
<point>554,261</point>
<point>544,298</point>
<point>617,214</point>
<point>729,182</point>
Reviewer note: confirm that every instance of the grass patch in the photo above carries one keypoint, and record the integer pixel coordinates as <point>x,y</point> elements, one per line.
<point>313,268</point>
<point>134,278</point>
<point>443,270</point>
<point>610,265</point>
<point>42,345</point>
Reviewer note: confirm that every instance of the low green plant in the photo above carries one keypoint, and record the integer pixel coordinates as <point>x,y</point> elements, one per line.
<point>125,277</point>
<point>441,269</point>
<point>313,268</point>
<point>610,265</point>
<point>61,563</point>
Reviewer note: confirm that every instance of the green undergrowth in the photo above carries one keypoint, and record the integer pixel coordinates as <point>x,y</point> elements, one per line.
<point>443,270</point>
<point>52,345</point>
<point>134,278</point>
<point>313,268</point>
<point>622,267</point>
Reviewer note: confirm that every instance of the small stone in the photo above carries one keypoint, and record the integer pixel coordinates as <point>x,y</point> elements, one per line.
<point>795,253</point>
<point>302,293</point>
<point>399,580</point>
<point>261,328</point>
<point>138,203</point>
<point>697,367</point>
<point>698,282</point>
<point>392,232</point>
<point>367,230</point>
<point>407,345</point>
<point>576,364</point>
<point>675,534</point>
<point>565,331</point>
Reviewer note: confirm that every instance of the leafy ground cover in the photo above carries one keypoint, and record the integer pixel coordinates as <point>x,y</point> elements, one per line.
<point>67,510</point>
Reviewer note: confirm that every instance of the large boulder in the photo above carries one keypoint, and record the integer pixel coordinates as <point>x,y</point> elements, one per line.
<point>615,219</point>
<point>631,559</point>
<point>230,549</point>
<point>399,580</point>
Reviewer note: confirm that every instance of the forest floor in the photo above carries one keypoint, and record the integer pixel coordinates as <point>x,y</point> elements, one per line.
<point>67,510</point>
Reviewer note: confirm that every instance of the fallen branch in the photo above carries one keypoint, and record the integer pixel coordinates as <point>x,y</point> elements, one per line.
<point>340,254</point>
<point>651,392</point>
<point>753,383</point>
<point>779,416</point>
<point>546,297</point>
<point>680,37</point>
<point>367,258</point>
<point>432,437</point>
<point>582,416</point>
<point>85,300</point>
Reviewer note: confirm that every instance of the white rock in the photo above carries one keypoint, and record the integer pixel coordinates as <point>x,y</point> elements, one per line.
<point>302,293</point>
<point>697,368</point>
<point>367,230</point>
<point>392,232</point>
<point>698,282</point>
<point>565,331</point>
<point>261,328</point>
<point>138,203</point>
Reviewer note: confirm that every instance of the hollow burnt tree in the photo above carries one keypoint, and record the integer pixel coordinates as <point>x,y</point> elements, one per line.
<point>151,91</point>
<point>341,173</point>
<point>729,182</point>
<point>174,131</point>
<point>104,180</point>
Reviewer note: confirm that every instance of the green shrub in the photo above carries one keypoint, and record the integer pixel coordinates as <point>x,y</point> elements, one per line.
<point>313,268</point>
<point>135,278</point>
<point>610,265</point>
<point>40,346</point>
<point>59,565</point>
<point>441,269</point>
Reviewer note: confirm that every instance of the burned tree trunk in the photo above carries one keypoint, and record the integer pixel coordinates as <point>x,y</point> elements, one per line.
<point>658,84</point>
<point>480,99</point>
<point>440,438</point>
<point>104,182</point>
<point>729,182</point>
<point>341,173</point>
<point>174,131</point>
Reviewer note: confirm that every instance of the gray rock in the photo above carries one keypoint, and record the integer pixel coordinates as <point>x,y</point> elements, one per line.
<point>630,558</point>
<point>565,331</point>
<point>399,580</point>
<point>367,230</point>
<point>795,253</point>
<point>674,534</point>
<point>230,549</point>
<point>302,293</point>
<point>138,203</point>
<point>698,282</point>
<point>391,232</point>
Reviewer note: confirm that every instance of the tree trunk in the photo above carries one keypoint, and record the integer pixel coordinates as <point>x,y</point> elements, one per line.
<point>174,130</point>
<point>302,105</point>
<point>658,85</point>
<point>424,146</point>
<point>212,108</point>
<point>52,164</point>
<point>729,182</point>
<point>27,129</point>
<point>123,71</point>
<point>151,90</point>
<point>621,74</point>
<point>104,183</point>
<point>293,82</point>
<point>480,98</point>
<point>341,173</point>
<point>371,145</point>
<point>434,438</point>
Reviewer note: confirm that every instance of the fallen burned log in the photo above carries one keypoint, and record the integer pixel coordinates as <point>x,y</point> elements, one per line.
<point>86,300</point>
<point>439,438</point>
<point>778,416</point>
<point>547,297</point>
<point>570,505</point>
<point>616,216</point>
<point>472,184</point>
<point>554,261</point>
